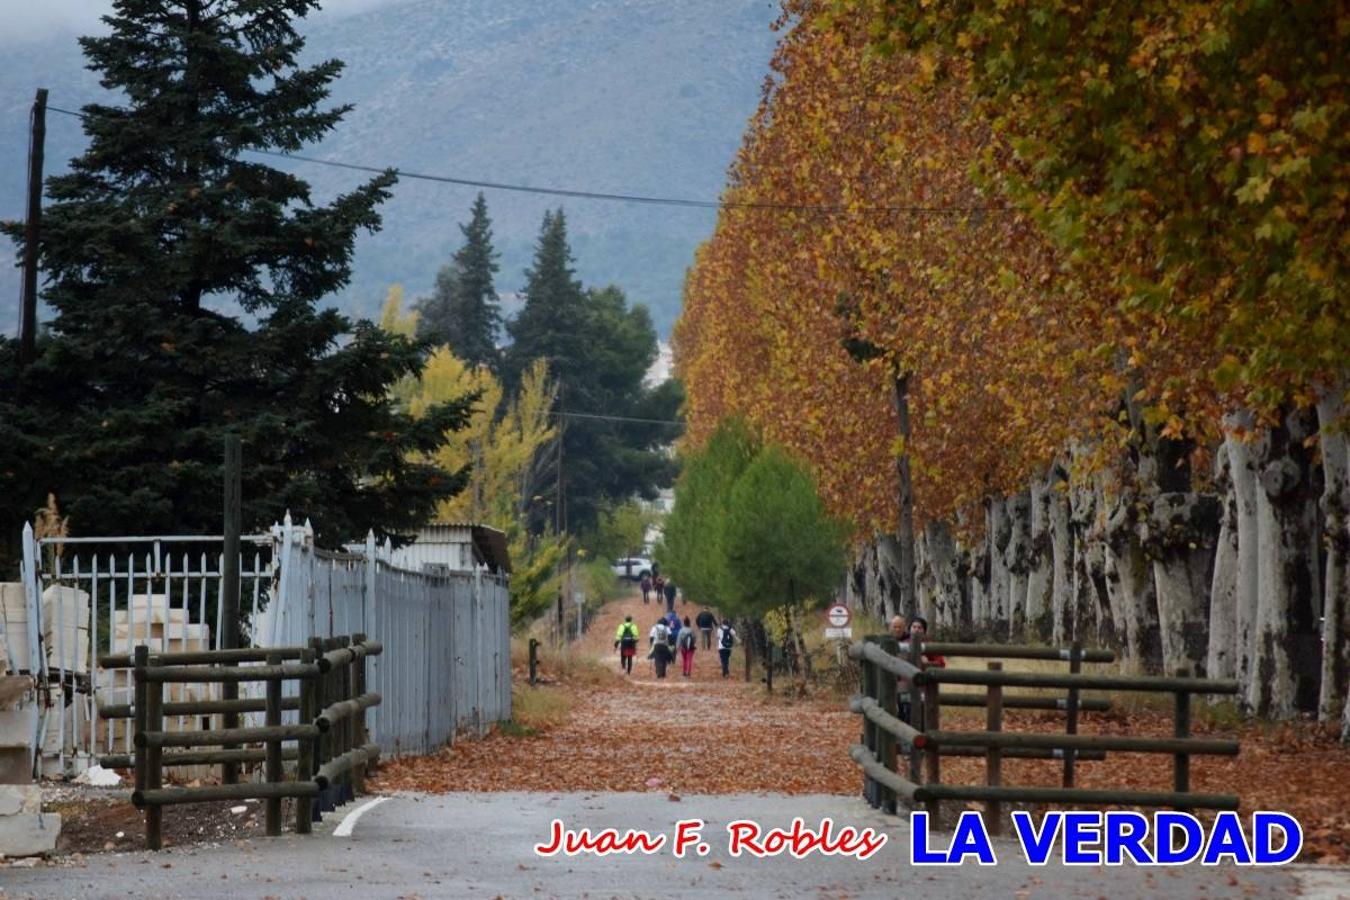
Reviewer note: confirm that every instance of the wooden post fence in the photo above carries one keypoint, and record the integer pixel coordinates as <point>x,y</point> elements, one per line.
<point>882,730</point>
<point>332,749</point>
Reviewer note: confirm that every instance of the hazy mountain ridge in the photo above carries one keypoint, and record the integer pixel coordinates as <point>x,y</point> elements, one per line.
<point>632,96</point>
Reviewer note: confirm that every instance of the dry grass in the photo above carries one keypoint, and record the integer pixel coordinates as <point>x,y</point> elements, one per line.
<point>540,707</point>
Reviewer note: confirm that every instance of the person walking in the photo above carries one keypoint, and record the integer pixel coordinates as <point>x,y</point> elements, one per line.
<point>625,641</point>
<point>688,643</point>
<point>918,628</point>
<point>660,654</point>
<point>646,584</point>
<point>670,596</point>
<point>726,639</point>
<point>706,623</point>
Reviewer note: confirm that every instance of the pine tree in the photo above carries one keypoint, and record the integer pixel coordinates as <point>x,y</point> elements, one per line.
<point>552,325</point>
<point>463,312</point>
<point>158,242</point>
<point>598,348</point>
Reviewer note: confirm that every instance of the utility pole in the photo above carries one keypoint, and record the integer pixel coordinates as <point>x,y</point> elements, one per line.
<point>229,579</point>
<point>31,231</point>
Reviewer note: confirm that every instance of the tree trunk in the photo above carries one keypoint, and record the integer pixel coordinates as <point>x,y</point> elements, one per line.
<point>1181,537</point>
<point>1061,556</point>
<point>1018,557</point>
<point>1242,466</point>
<point>1221,659</point>
<point>1041,574</point>
<point>942,555</point>
<point>1287,585</point>
<point>905,531</point>
<point>874,586</point>
<point>1135,597</point>
<point>1000,533</point>
<point>979,568</point>
<point>1332,415</point>
<point>925,580</point>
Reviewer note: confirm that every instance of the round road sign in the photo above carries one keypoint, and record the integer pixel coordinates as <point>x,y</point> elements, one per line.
<point>838,615</point>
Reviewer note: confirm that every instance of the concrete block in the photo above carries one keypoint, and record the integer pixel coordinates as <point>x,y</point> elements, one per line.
<point>15,691</point>
<point>31,834</point>
<point>65,607</point>
<point>20,798</point>
<point>152,608</point>
<point>18,726</point>
<point>68,649</point>
<point>16,765</point>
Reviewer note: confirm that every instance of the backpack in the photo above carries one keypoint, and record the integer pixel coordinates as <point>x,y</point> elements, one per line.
<point>630,632</point>
<point>662,633</point>
<point>727,639</point>
<point>687,639</point>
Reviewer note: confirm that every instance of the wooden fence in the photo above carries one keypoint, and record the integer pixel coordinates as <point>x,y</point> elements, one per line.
<point>327,737</point>
<point>922,741</point>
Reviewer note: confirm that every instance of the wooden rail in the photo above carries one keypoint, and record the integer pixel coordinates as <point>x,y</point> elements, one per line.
<point>915,727</point>
<point>329,744</point>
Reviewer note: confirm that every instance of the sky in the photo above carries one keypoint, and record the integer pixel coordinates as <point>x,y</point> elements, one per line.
<point>22,21</point>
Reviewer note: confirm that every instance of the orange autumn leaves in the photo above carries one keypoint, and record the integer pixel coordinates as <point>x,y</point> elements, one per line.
<point>878,233</point>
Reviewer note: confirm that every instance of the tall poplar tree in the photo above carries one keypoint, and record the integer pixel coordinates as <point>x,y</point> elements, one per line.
<point>185,276</point>
<point>463,313</point>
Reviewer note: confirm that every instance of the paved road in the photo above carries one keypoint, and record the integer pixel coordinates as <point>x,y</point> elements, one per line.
<point>480,845</point>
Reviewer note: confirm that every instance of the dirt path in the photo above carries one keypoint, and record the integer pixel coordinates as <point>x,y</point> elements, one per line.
<point>704,734</point>
<point>707,735</point>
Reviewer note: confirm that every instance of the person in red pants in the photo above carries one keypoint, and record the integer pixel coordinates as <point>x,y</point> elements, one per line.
<point>688,643</point>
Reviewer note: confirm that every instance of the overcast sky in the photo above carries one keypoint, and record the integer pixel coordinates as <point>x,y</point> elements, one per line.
<point>32,20</point>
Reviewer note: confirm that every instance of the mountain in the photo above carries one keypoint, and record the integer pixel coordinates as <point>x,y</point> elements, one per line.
<point>618,96</point>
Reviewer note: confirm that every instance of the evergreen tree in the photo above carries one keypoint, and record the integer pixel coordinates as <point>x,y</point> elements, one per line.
<point>157,242</point>
<point>598,348</point>
<point>463,313</point>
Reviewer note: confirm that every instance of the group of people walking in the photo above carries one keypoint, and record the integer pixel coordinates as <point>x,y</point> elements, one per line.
<point>670,634</point>
<point>665,590</point>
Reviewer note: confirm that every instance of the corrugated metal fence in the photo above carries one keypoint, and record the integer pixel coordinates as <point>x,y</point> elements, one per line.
<point>446,663</point>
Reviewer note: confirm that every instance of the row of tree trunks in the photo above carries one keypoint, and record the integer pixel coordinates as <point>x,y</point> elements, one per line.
<point>1245,574</point>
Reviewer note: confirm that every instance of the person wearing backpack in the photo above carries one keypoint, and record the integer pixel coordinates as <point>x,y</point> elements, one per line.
<point>660,641</point>
<point>688,642</point>
<point>625,641</point>
<point>726,639</point>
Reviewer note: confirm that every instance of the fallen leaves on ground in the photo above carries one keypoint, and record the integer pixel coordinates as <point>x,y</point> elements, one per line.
<point>707,735</point>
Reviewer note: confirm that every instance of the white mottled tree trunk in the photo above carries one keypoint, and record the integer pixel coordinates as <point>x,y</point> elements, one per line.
<point>1182,530</point>
<point>1133,583</point>
<point>1334,418</point>
<point>1018,557</point>
<point>1041,573</point>
<point>925,583</point>
<point>1061,558</point>
<point>873,585</point>
<point>978,585</point>
<point>1000,578</point>
<point>943,563</point>
<point>1221,659</point>
<point>1242,465</point>
<point>1287,579</point>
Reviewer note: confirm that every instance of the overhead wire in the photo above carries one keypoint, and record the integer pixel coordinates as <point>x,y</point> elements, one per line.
<point>651,200</point>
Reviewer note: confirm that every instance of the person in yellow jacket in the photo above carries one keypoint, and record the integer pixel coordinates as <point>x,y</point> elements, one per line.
<point>626,641</point>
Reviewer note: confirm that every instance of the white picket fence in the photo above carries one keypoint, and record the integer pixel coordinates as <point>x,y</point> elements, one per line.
<point>445,667</point>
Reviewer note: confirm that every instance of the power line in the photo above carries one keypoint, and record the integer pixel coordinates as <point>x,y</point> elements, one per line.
<point>570,415</point>
<point>684,202</point>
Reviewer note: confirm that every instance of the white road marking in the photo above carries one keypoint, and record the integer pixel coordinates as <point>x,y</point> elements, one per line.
<point>348,822</point>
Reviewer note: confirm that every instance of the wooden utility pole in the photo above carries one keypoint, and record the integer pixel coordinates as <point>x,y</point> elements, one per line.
<point>229,579</point>
<point>31,230</point>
